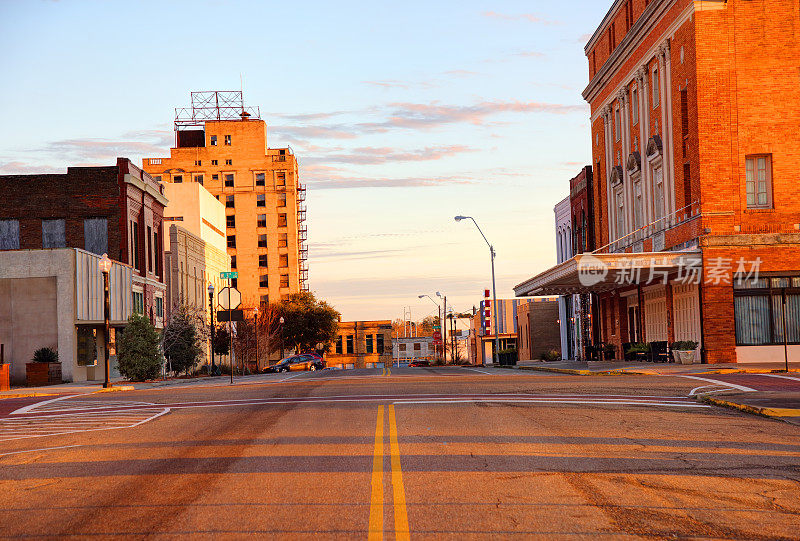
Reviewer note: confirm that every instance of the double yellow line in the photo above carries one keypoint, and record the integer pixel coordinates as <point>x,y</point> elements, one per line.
<point>398,491</point>
<point>387,371</point>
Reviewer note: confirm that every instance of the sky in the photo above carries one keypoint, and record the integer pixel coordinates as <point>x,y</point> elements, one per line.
<point>402,116</point>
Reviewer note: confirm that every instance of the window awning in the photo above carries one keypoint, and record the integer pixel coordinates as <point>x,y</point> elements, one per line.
<point>597,273</point>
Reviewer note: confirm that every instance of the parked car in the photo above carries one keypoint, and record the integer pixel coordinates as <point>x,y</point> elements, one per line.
<point>292,363</point>
<point>419,363</point>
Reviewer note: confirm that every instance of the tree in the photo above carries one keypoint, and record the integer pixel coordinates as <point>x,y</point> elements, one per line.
<point>262,332</point>
<point>180,339</point>
<point>308,322</point>
<point>222,340</point>
<point>138,354</point>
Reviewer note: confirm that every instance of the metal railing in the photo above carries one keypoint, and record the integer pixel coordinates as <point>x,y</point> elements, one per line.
<point>651,230</point>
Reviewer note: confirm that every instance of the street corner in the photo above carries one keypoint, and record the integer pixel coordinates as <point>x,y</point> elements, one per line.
<point>781,406</point>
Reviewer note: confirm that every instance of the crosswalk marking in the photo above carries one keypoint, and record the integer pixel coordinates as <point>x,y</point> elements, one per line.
<point>34,426</point>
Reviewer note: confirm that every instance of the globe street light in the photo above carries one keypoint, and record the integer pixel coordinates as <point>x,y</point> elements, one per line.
<point>255,312</point>
<point>105,268</point>
<point>494,288</point>
<point>211,338</point>
<point>281,321</point>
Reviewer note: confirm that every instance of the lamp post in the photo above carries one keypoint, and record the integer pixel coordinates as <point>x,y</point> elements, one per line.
<point>211,338</point>
<point>281,321</point>
<point>437,307</point>
<point>443,325</point>
<point>494,288</point>
<point>255,312</point>
<point>105,268</point>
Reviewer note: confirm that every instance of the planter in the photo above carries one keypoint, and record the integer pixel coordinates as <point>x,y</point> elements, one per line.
<point>685,357</point>
<point>37,374</point>
<point>5,377</point>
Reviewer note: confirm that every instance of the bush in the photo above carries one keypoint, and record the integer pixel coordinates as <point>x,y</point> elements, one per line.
<point>550,356</point>
<point>639,347</point>
<point>45,355</point>
<point>181,341</point>
<point>138,354</point>
<point>685,345</point>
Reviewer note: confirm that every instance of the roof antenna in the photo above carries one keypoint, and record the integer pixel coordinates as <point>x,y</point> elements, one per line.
<point>244,113</point>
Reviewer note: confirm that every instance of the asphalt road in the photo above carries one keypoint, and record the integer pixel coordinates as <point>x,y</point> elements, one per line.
<point>421,453</point>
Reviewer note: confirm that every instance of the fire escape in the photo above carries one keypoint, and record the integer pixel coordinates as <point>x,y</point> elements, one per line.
<point>302,236</point>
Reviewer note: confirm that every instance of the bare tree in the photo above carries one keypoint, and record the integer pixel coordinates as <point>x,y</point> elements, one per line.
<point>257,338</point>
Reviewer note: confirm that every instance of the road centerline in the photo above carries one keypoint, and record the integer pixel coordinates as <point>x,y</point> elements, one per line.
<point>398,490</point>
<point>376,493</point>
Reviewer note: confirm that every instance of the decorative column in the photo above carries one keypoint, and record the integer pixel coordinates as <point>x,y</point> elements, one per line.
<point>609,134</point>
<point>668,134</point>
<point>644,135</point>
<point>669,189</point>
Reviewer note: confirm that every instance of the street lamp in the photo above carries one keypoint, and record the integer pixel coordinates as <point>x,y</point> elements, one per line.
<point>443,325</point>
<point>211,338</point>
<point>105,268</point>
<point>255,313</point>
<point>494,288</point>
<point>281,321</point>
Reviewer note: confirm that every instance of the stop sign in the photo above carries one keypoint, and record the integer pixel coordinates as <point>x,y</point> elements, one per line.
<point>437,336</point>
<point>229,298</point>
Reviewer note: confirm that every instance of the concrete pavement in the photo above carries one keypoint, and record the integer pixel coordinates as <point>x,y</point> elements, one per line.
<point>434,453</point>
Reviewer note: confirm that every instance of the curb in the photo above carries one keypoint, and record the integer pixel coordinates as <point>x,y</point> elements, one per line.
<point>745,371</point>
<point>25,395</point>
<point>576,372</point>
<point>116,389</point>
<point>774,413</point>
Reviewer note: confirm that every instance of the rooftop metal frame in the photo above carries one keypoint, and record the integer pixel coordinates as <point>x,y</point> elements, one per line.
<point>214,105</point>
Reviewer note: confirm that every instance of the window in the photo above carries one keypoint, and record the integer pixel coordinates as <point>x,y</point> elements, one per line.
<point>260,179</point>
<point>638,205</point>
<point>135,245</point>
<point>349,343</point>
<point>149,249</point>
<point>214,177</point>
<point>283,240</point>
<point>198,179</point>
<point>758,170</point>
<point>234,283</point>
<point>157,178</point>
<point>231,241</point>
<point>617,124</point>
<point>233,261</point>
<point>264,300</point>
<point>198,162</point>
<point>262,260</point>
<point>284,280</point>
<point>282,220</point>
<point>417,346</point>
<point>229,181</point>
<point>138,302</point>
<point>262,241</point>
<point>159,307</point>
<point>280,176</point>
<point>282,199</point>
<point>370,343</point>
<point>620,205</point>
<point>9,235</point>
<point>230,220</point>
<point>95,235</point>
<point>261,200</point>
<point>214,162</point>
<point>213,140</point>
<point>262,220</point>
<point>685,121</point>
<point>658,193</point>
<point>687,184</point>
<point>339,344</point>
<point>635,106</point>
<point>263,281</point>
<point>177,179</point>
<point>53,234</point>
<point>228,162</point>
<point>380,344</point>
<point>759,306</point>
<point>229,201</point>
<point>228,140</point>
<point>656,88</point>
<point>87,345</point>
<point>284,260</point>
<point>402,348</point>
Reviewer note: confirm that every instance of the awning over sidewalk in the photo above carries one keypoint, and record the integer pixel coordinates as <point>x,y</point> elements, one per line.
<point>597,273</point>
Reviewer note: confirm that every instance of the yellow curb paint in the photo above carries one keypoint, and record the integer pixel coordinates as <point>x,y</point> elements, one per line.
<point>25,395</point>
<point>376,497</point>
<point>116,389</point>
<point>398,490</point>
<point>389,371</point>
<point>767,412</point>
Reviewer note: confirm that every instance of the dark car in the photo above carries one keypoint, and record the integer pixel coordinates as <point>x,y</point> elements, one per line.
<point>419,363</point>
<point>304,361</point>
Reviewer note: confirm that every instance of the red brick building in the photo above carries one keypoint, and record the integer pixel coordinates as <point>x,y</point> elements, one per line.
<point>116,210</point>
<point>695,109</point>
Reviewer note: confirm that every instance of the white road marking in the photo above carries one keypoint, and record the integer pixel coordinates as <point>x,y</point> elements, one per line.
<point>721,383</point>
<point>29,407</point>
<point>56,425</point>
<point>779,376</point>
<point>522,401</point>
<point>479,371</point>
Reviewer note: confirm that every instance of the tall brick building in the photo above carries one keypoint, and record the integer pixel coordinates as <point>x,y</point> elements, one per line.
<point>116,210</point>
<point>696,148</point>
<point>223,145</point>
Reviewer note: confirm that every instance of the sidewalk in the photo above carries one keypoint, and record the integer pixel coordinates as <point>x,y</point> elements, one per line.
<point>778,405</point>
<point>614,368</point>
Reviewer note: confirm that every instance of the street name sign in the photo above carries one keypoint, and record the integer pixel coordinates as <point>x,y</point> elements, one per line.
<point>228,275</point>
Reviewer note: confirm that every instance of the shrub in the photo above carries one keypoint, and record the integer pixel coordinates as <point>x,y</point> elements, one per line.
<point>639,347</point>
<point>550,356</point>
<point>138,354</point>
<point>45,355</point>
<point>181,341</point>
<point>684,345</point>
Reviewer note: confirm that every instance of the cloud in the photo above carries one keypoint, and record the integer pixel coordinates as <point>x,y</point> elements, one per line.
<point>25,168</point>
<point>529,17</point>
<point>461,73</point>
<point>315,132</point>
<point>407,85</point>
<point>376,155</point>
<point>333,182</point>
<point>93,151</point>
<point>530,54</point>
